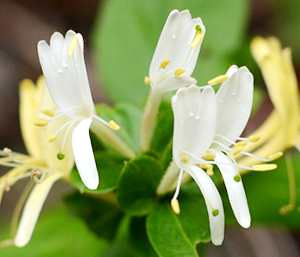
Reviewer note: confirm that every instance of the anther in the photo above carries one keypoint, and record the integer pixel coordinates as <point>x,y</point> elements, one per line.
<point>197,37</point>
<point>254,138</point>
<point>48,113</point>
<point>237,149</point>
<point>210,172</point>
<point>72,46</point>
<point>165,63</point>
<point>264,167</point>
<point>35,173</point>
<point>147,80</point>
<point>275,156</point>
<point>175,206</point>
<point>243,143</point>
<point>215,212</point>
<point>205,165</point>
<point>237,178</point>
<point>7,151</point>
<point>178,72</point>
<point>113,125</point>
<point>40,122</point>
<point>208,156</point>
<point>217,79</point>
<point>60,156</point>
<point>185,158</point>
<point>51,138</point>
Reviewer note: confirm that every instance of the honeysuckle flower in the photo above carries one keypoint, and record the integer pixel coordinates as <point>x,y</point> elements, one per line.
<point>172,65</point>
<point>41,165</point>
<point>280,131</point>
<point>64,69</point>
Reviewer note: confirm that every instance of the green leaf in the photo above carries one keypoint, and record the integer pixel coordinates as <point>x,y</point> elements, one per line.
<point>181,232</point>
<point>109,168</point>
<point>101,216</point>
<point>57,234</point>
<point>126,33</point>
<point>137,185</point>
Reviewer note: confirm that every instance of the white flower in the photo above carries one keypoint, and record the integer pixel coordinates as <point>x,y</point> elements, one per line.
<point>205,125</point>
<point>65,73</point>
<point>176,52</point>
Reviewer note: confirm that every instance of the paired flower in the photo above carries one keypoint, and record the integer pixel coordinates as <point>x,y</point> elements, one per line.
<point>205,126</point>
<point>64,69</point>
<point>41,164</point>
<point>173,62</point>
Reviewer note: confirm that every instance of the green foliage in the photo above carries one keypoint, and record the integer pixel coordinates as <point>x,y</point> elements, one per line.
<point>126,34</point>
<point>137,185</point>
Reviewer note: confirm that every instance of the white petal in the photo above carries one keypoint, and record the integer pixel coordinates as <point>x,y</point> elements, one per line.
<point>174,83</point>
<point>194,121</point>
<point>33,208</point>
<point>66,77</point>
<point>234,99</point>
<point>212,199</point>
<point>83,154</point>
<point>236,192</point>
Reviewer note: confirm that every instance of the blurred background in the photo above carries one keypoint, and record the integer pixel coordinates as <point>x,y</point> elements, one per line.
<point>24,22</point>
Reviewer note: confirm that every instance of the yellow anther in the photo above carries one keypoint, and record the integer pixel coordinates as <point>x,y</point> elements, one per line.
<point>185,158</point>
<point>254,138</point>
<point>165,63</point>
<point>147,80</point>
<point>51,138</point>
<point>210,172</point>
<point>242,143</point>
<point>179,72</point>
<point>205,165</point>
<point>175,206</point>
<point>275,156</point>
<point>48,113</point>
<point>113,125</point>
<point>238,149</point>
<point>218,79</point>
<point>197,37</point>
<point>40,122</point>
<point>208,156</point>
<point>264,167</point>
<point>72,46</point>
<point>7,151</point>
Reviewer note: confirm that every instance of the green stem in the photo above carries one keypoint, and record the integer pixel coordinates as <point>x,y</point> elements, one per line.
<point>149,119</point>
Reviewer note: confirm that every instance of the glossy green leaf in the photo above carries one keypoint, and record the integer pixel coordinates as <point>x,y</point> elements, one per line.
<point>102,215</point>
<point>137,185</point>
<point>126,33</point>
<point>109,168</point>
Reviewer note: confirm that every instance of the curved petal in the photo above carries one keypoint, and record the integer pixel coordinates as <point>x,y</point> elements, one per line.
<point>66,75</point>
<point>212,200</point>
<point>33,208</point>
<point>83,154</point>
<point>194,121</point>
<point>234,100</point>
<point>236,192</point>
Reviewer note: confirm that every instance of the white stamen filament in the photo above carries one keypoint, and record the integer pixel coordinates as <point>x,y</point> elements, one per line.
<point>178,185</point>
<point>101,120</point>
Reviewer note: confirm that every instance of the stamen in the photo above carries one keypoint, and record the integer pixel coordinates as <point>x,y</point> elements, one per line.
<point>147,80</point>
<point>275,156</point>
<point>254,138</point>
<point>205,165</point>
<point>264,167</point>
<point>48,113</point>
<point>185,158</point>
<point>209,156</point>
<point>60,156</point>
<point>165,63</point>
<point>179,72</point>
<point>237,149</point>
<point>175,206</point>
<point>197,37</point>
<point>40,122</point>
<point>217,79</point>
<point>215,212</point>
<point>72,46</point>
<point>243,143</point>
<point>34,173</point>
<point>51,138</point>
<point>113,125</point>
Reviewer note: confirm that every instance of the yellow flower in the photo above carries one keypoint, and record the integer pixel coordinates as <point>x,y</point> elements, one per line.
<point>41,164</point>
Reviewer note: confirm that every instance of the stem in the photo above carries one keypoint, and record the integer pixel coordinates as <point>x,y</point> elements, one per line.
<point>110,138</point>
<point>149,119</point>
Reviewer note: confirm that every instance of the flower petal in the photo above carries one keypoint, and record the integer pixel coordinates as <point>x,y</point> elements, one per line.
<point>212,200</point>
<point>66,76</point>
<point>194,121</point>
<point>236,192</point>
<point>174,83</point>
<point>33,208</point>
<point>83,154</point>
<point>234,100</point>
